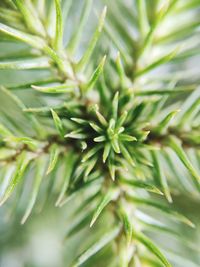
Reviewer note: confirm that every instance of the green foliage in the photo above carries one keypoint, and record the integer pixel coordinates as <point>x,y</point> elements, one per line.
<point>109,126</point>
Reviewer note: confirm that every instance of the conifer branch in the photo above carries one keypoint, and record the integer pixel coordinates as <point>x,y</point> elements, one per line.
<point>111,129</point>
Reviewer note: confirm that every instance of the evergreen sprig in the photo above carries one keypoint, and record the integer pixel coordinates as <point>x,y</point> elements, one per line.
<point>116,129</point>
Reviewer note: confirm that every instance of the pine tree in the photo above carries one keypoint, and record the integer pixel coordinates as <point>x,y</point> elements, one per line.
<point>100,118</point>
